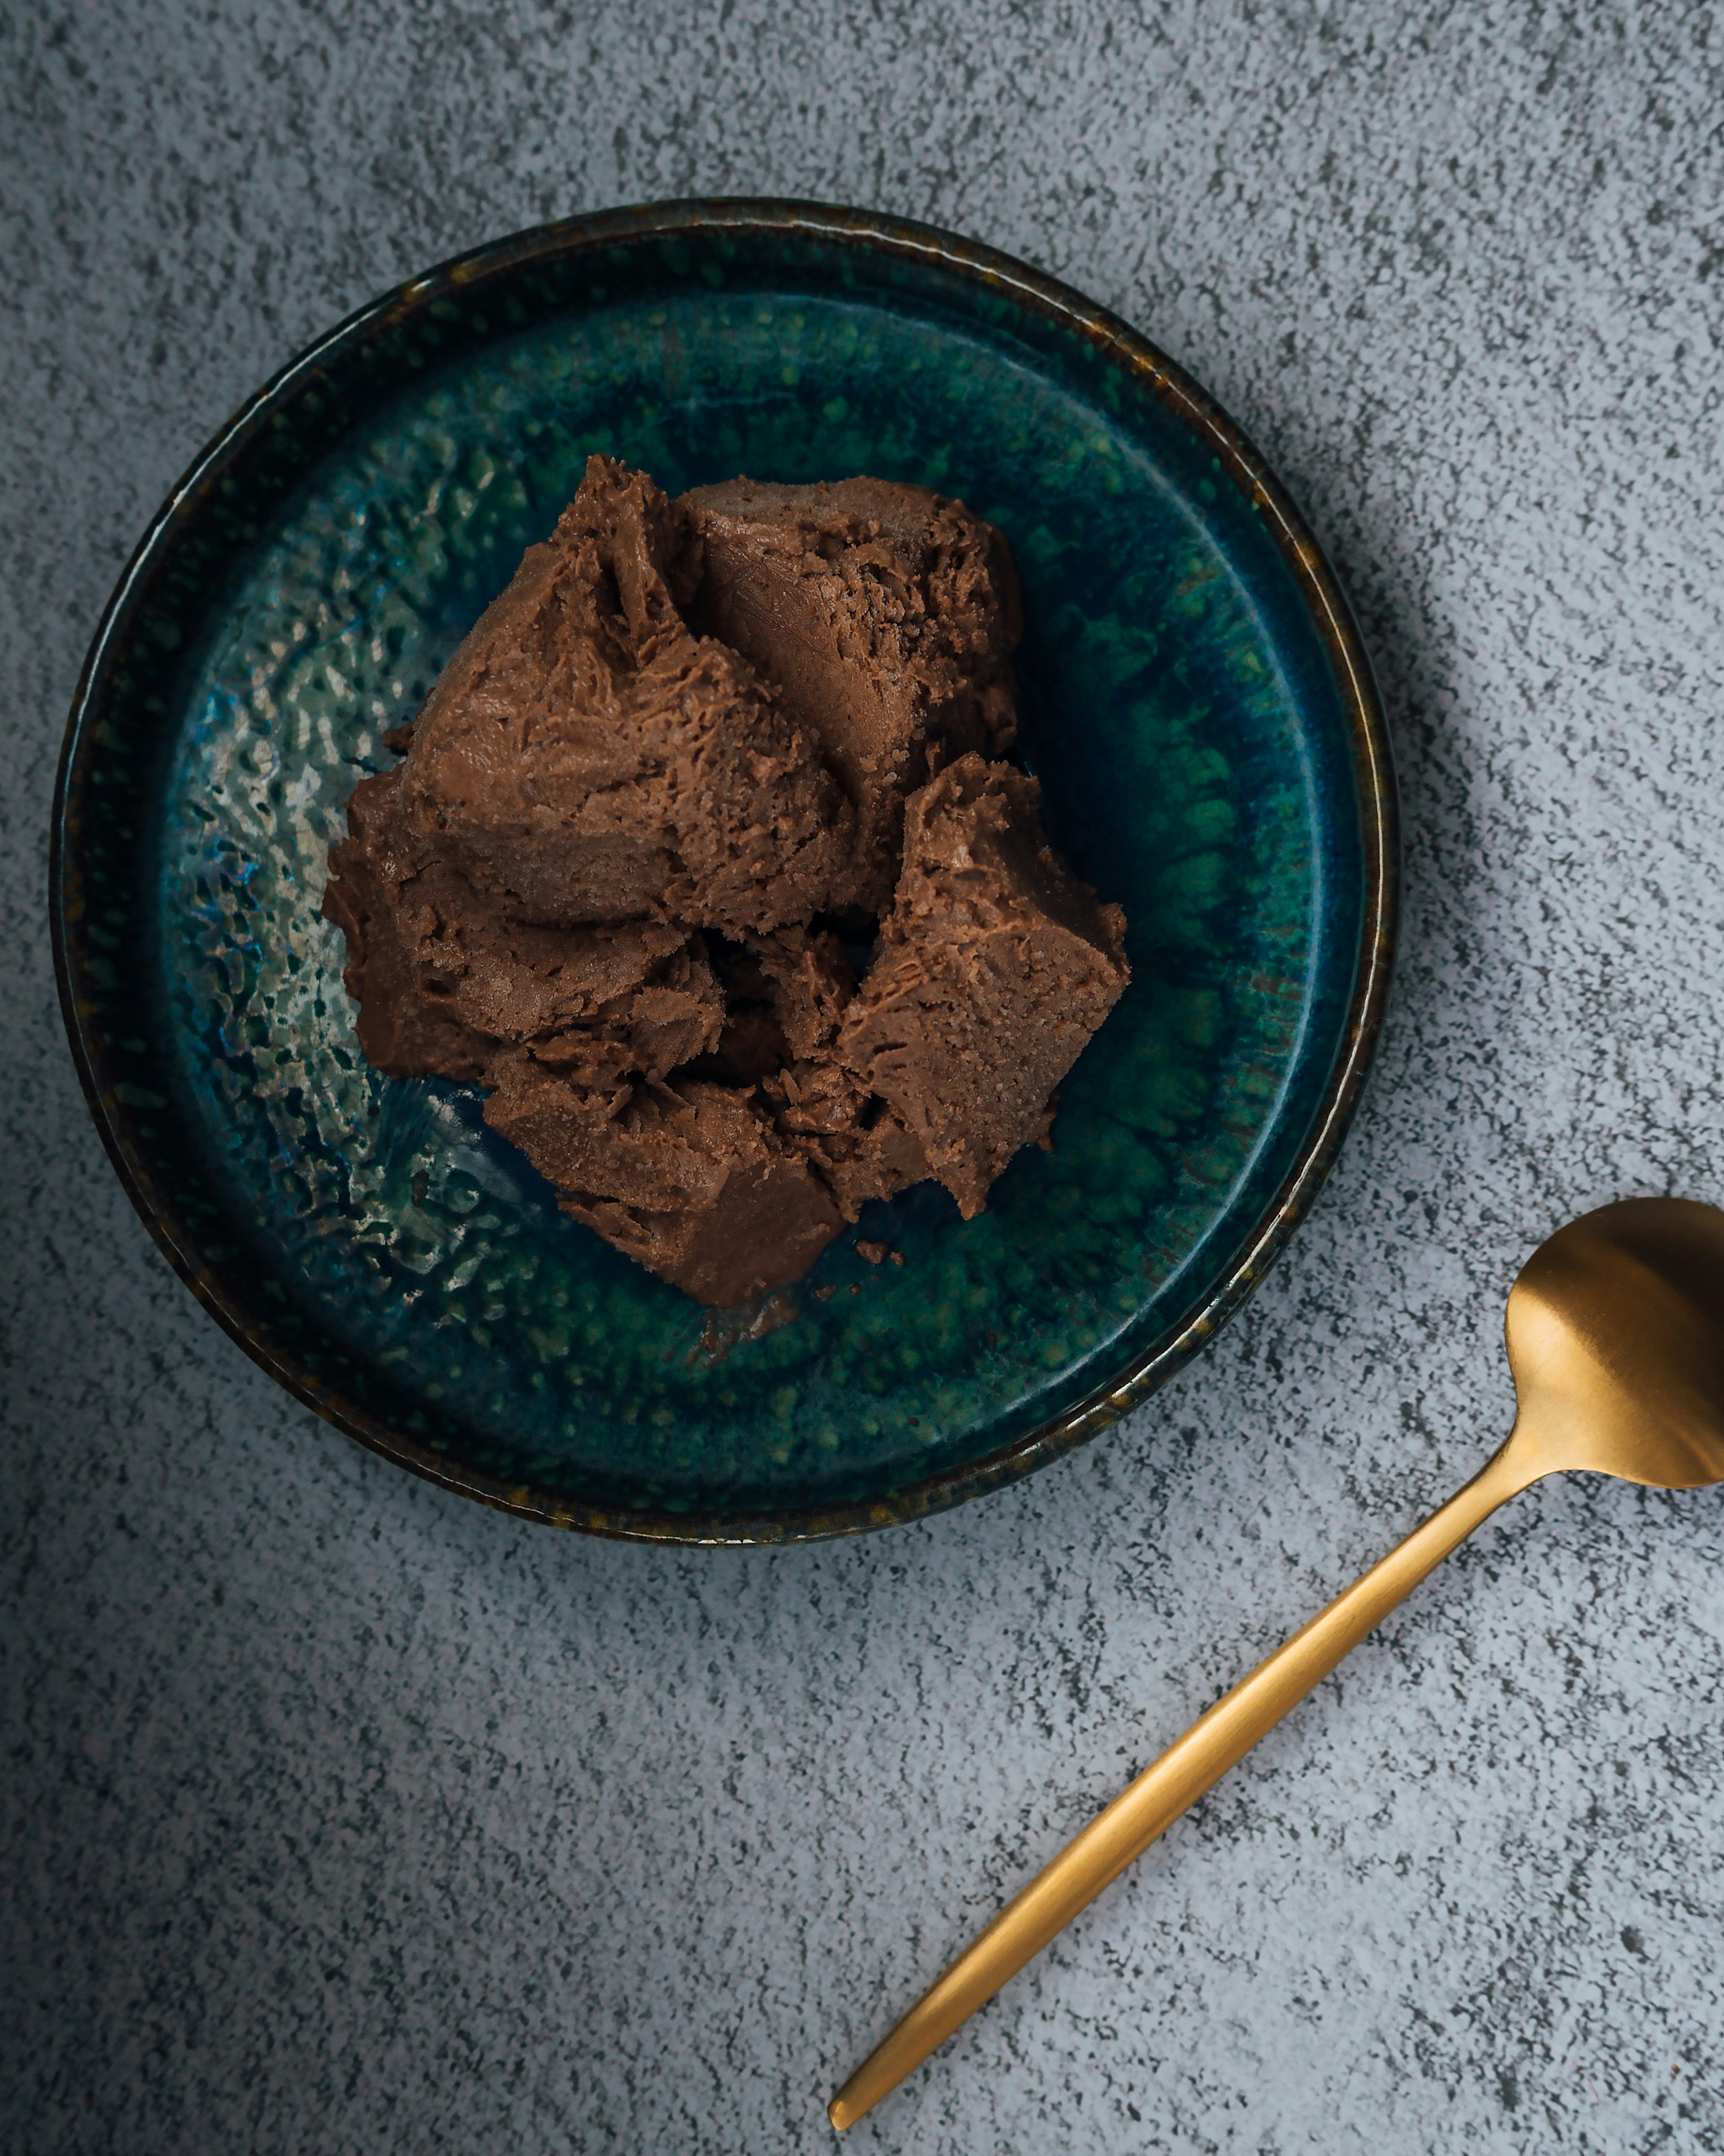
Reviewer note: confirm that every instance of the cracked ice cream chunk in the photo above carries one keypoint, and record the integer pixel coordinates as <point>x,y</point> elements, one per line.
<point>444,978</point>
<point>886,615</point>
<point>690,1178</point>
<point>996,967</point>
<point>585,757</point>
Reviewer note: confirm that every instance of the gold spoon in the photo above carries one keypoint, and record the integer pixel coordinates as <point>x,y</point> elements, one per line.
<point>1616,1340</point>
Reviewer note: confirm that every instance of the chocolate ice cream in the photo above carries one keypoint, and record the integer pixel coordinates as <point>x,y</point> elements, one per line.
<point>691,1178</point>
<point>646,817</point>
<point>585,757</point>
<point>444,976</point>
<point>885,614</point>
<point>995,966</point>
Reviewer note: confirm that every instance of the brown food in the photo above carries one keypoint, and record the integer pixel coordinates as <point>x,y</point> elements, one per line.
<point>690,1178</point>
<point>443,978</point>
<point>885,614</point>
<point>685,730</point>
<point>996,967</point>
<point>585,757</point>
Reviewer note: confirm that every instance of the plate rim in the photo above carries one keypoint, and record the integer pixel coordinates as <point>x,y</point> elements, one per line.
<point>1370,758</point>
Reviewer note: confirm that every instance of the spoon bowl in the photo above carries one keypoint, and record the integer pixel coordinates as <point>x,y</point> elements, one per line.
<point>1615,1334</point>
<point>1615,1330</point>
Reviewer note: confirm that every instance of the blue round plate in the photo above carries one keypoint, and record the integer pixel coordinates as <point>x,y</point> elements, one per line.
<point>1196,703</point>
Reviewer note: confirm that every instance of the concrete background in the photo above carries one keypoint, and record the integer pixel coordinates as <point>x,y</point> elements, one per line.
<point>340,1815</point>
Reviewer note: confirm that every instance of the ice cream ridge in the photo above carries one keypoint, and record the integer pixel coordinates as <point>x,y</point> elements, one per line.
<point>699,756</point>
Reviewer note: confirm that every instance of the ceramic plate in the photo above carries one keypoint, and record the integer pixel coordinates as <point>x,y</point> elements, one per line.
<point>1195,702</point>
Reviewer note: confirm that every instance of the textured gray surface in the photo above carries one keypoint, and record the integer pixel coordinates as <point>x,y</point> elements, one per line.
<point>340,1815</point>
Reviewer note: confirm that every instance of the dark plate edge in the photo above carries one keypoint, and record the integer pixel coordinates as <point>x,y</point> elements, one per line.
<point>1373,775</point>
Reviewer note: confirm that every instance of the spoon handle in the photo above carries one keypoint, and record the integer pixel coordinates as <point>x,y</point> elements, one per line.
<point>1188,1767</point>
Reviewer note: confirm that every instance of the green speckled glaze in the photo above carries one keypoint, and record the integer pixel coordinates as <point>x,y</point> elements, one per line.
<point>1195,727</point>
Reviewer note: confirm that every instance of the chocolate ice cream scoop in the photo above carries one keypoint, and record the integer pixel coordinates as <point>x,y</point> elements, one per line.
<point>586,756</point>
<point>690,1178</point>
<point>692,749</point>
<point>444,978</point>
<point>885,614</point>
<point>996,967</point>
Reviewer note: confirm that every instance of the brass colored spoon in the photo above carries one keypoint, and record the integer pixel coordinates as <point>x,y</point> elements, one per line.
<point>1616,1340</point>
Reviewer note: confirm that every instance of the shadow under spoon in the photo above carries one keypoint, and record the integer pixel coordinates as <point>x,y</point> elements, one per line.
<point>1615,1334</point>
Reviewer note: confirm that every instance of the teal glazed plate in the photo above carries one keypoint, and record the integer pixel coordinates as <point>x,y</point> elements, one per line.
<point>1195,701</point>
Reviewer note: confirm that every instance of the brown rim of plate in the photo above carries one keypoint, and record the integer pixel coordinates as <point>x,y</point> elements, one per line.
<point>1373,779</point>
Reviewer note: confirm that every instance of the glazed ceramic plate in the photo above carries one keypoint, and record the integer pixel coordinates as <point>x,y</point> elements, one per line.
<point>1194,700</point>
